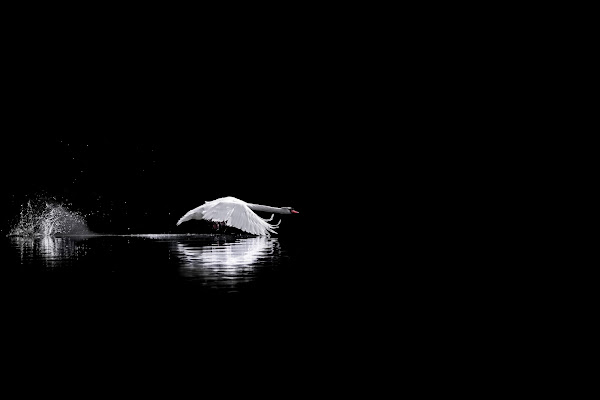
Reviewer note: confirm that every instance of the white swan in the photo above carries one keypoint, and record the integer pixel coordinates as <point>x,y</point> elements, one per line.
<point>238,214</point>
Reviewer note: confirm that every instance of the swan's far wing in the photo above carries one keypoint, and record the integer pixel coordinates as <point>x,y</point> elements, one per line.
<point>196,213</point>
<point>238,215</point>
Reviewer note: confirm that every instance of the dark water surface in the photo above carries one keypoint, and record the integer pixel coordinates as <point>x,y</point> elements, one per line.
<point>154,297</point>
<point>151,276</point>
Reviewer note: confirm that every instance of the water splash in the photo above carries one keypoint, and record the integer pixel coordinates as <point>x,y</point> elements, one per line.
<point>41,217</point>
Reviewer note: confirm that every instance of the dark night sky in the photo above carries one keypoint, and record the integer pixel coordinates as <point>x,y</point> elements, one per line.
<point>145,183</point>
<point>137,134</point>
<point>135,122</point>
<point>130,186</point>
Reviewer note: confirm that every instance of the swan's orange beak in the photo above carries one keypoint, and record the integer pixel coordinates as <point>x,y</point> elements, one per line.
<point>295,212</point>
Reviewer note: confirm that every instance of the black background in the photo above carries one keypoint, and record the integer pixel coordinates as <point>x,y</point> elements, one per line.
<point>134,127</point>
<point>134,123</point>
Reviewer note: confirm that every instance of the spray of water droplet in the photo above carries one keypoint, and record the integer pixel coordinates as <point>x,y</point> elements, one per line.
<point>40,217</point>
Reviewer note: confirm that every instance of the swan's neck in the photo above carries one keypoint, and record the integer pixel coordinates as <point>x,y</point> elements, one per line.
<point>258,207</point>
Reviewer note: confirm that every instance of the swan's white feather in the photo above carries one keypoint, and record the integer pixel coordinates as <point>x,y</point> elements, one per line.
<point>233,212</point>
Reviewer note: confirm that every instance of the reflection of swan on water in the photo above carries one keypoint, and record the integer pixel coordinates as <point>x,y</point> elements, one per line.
<point>227,262</point>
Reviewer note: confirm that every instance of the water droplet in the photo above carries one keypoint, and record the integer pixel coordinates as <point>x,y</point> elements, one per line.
<point>46,217</point>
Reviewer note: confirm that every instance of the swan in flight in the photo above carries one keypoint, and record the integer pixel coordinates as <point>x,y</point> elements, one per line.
<point>238,214</point>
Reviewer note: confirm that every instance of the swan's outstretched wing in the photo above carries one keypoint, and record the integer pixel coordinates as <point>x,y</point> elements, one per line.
<point>234,213</point>
<point>196,213</point>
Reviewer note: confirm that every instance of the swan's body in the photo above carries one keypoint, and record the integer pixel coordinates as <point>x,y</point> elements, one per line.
<point>238,214</point>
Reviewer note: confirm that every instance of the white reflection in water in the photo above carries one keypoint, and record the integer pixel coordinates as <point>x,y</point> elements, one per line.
<point>48,248</point>
<point>226,264</point>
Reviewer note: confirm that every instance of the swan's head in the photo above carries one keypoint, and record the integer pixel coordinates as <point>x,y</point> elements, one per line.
<point>290,210</point>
